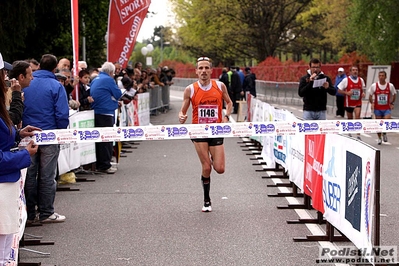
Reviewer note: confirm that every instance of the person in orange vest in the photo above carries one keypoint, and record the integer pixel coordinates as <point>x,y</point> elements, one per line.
<point>206,97</point>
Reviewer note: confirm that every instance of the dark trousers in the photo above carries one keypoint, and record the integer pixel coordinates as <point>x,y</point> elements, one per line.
<point>340,105</point>
<point>104,150</point>
<point>232,98</point>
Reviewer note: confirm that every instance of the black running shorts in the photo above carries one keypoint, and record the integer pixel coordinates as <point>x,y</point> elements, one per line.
<point>211,141</point>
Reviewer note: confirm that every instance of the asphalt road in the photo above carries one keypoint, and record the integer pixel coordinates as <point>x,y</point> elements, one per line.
<point>149,212</point>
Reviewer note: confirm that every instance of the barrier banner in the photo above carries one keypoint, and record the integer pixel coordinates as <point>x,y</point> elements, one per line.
<point>296,147</point>
<point>347,191</point>
<point>72,154</point>
<point>280,149</point>
<point>143,109</point>
<point>267,113</point>
<point>212,130</point>
<point>313,180</point>
<point>249,106</point>
<point>124,23</point>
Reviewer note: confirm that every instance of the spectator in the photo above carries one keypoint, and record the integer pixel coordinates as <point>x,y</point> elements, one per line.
<point>74,105</point>
<point>93,73</point>
<point>51,113</point>
<point>11,162</point>
<point>21,76</point>
<point>82,65</point>
<point>241,74</point>
<point>138,65</point>
<point>224,77</point>
<point>105,94</point>
<point>64,63</point>
<point>33,64</point>
<point>85,99</point>
<point>145,81</point>
<point>340,97</point>
<point>154,75</point>
<point>235,88</point>
<point>70,82</point>
<point>249,82</point>
<point>314,96</point>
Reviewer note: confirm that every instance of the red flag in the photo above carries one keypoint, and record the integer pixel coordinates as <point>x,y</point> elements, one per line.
<point>75,41</point>
<point>124,21</point>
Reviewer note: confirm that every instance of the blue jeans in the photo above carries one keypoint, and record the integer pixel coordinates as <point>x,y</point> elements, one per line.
<point>314,115</point>
<point>40,184</point>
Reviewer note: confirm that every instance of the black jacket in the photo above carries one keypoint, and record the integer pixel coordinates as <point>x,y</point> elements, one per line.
<point>16,107</point>
<point>250,84</point>
<point>314,99</point>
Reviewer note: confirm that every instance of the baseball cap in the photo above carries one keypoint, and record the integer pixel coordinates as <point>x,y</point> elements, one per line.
<point>341,69</point>
<point>60,76</point>
<point>4,64</point>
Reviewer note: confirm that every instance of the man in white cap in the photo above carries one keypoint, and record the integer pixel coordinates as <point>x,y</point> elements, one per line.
<point>340,97</point>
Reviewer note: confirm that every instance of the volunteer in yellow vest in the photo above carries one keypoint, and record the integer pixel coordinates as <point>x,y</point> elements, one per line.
<point>206,97</point>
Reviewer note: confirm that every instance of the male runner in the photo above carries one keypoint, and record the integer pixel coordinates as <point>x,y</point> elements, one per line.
<point>206,97</point>
<point>384,97</point>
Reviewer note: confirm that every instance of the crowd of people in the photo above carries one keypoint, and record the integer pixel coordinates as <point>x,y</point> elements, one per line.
<point>238,82</point>
<point>39,96</point>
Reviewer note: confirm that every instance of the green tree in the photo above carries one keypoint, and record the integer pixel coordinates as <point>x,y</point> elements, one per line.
<point>32,28</point>
<point>236,30</point>
<point>375,29</point>
<point>325,29</point>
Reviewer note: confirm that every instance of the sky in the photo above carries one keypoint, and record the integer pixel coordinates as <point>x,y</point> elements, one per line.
<point>162,10</point>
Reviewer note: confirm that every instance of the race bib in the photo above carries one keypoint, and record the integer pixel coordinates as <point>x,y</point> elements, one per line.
<point>382,99</point>
<point>207,114</point>
<point>356,94</point>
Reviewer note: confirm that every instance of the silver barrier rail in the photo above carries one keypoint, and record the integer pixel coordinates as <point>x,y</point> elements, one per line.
<point>159,98</point>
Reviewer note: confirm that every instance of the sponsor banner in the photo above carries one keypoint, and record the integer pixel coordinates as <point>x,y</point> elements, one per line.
<point>73,154</point>
<point>296,152</point>
<point>313,179</point>
<point>249,106</point>
<point>124,23</point>
<point>349,201</point>
<point>280,149</point>
<point>333,183</point>
<point>143,109</point>
<point>267,114</point>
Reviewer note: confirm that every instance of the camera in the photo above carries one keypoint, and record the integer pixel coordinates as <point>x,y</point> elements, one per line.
<point>8,83</point>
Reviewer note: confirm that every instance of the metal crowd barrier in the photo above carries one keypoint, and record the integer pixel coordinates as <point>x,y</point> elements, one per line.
<point>159,98</point>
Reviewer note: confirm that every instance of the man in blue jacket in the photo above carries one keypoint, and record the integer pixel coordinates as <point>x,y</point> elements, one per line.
<point>46,107</point>
<point>106,95</point>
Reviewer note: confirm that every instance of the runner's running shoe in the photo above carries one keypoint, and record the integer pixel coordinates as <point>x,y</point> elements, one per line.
<point>207,207</point>
<point>384,137</point>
